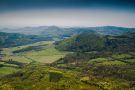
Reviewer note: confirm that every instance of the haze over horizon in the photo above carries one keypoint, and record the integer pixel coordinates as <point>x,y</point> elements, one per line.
<point>85,13</point>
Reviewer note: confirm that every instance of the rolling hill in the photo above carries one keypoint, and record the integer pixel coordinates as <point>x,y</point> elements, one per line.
<point>15,39</point>
<point>64,32</point>
<point>42,66</point>
<point>87,42</point>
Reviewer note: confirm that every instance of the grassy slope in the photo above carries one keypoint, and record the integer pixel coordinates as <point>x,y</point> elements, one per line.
<point>47,54</point>
<point>37,77</point>
<point>7,70</point>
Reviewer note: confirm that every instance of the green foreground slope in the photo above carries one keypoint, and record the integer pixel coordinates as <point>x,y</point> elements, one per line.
<point>40,77</point>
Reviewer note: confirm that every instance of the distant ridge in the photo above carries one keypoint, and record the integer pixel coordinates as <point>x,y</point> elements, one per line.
<point>59,32</point>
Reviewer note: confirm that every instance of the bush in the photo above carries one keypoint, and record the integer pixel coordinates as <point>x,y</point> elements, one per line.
<point>85,80</point>
<point>6,87</point>
<point>55,76</point>
<point>1,65</point>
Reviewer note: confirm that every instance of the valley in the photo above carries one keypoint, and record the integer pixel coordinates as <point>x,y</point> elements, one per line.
<point>67,44</point>
<point>47,54</point>
<point>86,61</point>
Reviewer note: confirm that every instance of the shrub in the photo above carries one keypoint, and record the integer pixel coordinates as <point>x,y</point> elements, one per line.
<point>85,80</point>
<point>55,76</point>
<point>6,87</point>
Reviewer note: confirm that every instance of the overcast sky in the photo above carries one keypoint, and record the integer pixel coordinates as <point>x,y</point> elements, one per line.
<point>20,13</point>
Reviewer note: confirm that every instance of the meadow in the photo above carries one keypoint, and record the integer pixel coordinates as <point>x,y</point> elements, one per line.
<point>47,54</point>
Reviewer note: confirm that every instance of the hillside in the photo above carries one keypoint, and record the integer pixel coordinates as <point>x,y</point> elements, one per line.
<point>13,59</point>
<point>108,70</point>
<point>15,39</point>
<point>112,30</point>
<point>111,65</point>
<point>87,42</point>
<point>56,32</point>
<point>41,77</point>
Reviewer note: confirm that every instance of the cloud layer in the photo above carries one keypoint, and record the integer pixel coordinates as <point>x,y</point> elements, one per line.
<point>67,12</point>
<point>68,17</point>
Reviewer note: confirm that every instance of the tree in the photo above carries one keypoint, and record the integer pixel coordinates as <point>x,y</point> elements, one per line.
<point>1,53</point>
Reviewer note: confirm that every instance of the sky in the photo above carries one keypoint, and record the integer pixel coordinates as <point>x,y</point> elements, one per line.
<point>81,13</point>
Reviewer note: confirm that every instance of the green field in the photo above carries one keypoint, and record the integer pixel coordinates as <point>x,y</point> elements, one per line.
<point>131,60</point>
<point>113,63</point>
<point>99,60</point>
<point>47,54</point>
<point>7,70</point>
<point>121,56</point>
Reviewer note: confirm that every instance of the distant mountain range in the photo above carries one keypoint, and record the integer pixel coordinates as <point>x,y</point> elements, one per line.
<point>34,34</point>
<point>63,32</point>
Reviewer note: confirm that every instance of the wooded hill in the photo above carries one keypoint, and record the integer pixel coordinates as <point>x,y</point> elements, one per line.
<point>87,42</point>
<point>15,39</point>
